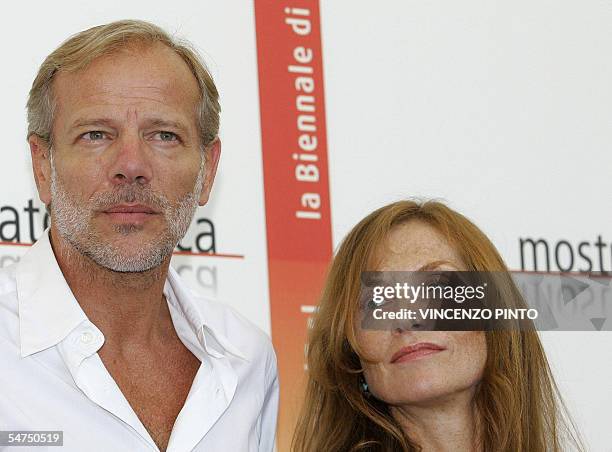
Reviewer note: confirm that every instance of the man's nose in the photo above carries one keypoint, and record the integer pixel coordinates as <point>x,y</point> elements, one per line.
<point>131,161</point>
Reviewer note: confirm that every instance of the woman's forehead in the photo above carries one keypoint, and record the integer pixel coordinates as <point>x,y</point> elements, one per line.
<point>412,245</point>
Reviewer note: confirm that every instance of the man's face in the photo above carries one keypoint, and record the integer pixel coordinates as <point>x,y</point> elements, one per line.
<point>126,172</point>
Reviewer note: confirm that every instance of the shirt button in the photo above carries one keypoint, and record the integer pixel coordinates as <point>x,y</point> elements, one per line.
<point>86,337</point>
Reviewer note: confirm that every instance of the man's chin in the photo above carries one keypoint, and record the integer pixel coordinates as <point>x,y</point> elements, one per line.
<point>128,229</point>
<point>131,253</point>
<point>125,261</point>
<point>125,235</point>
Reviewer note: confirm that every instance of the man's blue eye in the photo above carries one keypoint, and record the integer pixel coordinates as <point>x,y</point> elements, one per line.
<point>168,136</point>
<point>94,135</point>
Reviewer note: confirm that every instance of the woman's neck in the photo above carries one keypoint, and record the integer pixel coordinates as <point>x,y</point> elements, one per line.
<point>448,425</point>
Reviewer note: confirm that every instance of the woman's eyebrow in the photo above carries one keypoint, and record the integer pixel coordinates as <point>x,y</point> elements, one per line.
<point>435,264</point>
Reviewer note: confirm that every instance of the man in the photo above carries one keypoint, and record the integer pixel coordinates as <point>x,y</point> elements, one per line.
<point>99,337</point>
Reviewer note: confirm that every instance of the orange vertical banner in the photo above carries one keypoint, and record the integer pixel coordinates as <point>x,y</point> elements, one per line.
<point>296,183</point>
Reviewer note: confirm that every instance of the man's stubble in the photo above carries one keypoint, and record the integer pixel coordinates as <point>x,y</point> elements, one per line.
<point>73,221</point>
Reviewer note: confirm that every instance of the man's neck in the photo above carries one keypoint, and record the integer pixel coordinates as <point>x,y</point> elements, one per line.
<point>442,426</point>
<point>129,308</point>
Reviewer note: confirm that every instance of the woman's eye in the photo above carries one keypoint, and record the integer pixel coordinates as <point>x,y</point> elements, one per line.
<point>439,280</point>
<point>94,135</point>
<point>371,305</point>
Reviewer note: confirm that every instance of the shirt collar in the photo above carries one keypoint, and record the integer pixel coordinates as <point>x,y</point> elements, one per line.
<point>48,310</point>
<point>214,342</point>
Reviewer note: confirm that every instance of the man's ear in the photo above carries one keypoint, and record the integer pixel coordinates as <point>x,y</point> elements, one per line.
<point>211,161</point>
<point>41,165</point>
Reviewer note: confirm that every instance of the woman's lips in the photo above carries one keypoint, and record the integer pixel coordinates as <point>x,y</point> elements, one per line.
<point>415,351</point>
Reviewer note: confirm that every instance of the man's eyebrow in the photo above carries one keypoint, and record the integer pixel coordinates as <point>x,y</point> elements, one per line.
<point>87,122</point>
<point>107,122</point>
<point>158,122</point>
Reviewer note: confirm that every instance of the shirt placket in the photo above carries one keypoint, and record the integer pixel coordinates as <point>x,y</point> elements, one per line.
<point>79,351</point>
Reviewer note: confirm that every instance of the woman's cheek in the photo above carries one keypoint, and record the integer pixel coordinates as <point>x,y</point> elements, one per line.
<point>374,345</point>
<point>474,343</point>
<point>472,348</point>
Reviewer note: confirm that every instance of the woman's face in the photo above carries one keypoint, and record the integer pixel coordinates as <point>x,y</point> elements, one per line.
<point>454,363</point>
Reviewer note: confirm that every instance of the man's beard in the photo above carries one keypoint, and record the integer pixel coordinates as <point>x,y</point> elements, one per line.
<point>73,221</point>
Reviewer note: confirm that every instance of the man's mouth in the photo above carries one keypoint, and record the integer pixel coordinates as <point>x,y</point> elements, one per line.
<point>130,213</point>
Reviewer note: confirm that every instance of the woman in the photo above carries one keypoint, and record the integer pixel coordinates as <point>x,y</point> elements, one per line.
<point>461,391</point>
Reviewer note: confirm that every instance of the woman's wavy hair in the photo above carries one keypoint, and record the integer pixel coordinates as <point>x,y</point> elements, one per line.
<point>517,400</point>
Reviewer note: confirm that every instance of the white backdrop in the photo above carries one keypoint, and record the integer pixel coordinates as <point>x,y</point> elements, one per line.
<point>503,109</point>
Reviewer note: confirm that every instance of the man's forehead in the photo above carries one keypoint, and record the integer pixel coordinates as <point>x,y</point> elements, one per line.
<point>118,87</point>
<point>154,72</point>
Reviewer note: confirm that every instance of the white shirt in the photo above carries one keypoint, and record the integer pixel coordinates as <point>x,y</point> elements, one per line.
<point>52,378</point>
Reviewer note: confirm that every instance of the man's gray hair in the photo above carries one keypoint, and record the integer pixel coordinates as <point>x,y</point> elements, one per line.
<point>80,50</point>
